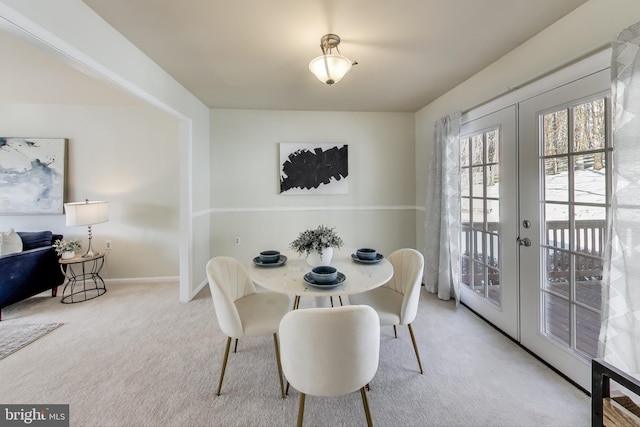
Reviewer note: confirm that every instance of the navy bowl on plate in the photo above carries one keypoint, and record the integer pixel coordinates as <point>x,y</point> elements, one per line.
<point>269,256</point>
<point>324,274</point>
<point>366,253</point>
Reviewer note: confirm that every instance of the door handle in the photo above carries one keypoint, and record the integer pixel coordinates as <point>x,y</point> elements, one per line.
<point>524,242</point>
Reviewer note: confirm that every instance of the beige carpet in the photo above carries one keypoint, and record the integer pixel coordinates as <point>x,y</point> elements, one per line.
<point>137,357</point>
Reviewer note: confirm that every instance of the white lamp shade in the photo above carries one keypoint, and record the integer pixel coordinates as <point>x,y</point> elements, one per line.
<point>86,213</point>
<point>330,68</point>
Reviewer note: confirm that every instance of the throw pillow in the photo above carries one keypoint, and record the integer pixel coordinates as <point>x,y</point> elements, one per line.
<point>10,242</point>
<point>35,239</point>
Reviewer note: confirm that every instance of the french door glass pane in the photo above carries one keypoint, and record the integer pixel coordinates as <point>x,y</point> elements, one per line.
<point>493,181</point>
<point>493,291</point>
<point>477,181</point>
<point>556,179</point>
<point>588,230</point>
<point>557,271</point>
<point>575,207</point>
<point>589,281</point>
<point>590,178</point>
<point>480,213</point>
<point>493,146</point>
<point>557,225</point>
<point>477,149</point>
<point>478,252</point>
<point>465,189</point>
<point>465,271</point>
<point>493,214</point>
<point>465,211</point>
<point>589,126</point>
<point>557,318</point>
<point>478,278</point>
<point>555,133</point>
<point>464,152</point>
<point>587,331</point>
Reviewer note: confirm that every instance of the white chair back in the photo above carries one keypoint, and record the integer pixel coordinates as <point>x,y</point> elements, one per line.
<point>330,351</point>
<point>228,281</point>
<point>408,267</point>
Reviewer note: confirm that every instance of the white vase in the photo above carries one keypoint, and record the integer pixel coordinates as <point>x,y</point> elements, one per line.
<point>68,255</point>
<point>314,259</point>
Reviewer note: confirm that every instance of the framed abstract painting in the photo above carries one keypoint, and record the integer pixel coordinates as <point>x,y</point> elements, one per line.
<point>309,168</point>
<point>32,175</point>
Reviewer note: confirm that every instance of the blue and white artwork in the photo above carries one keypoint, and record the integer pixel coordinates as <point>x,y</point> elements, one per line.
<point>32,175</point>
<point>314,168</point>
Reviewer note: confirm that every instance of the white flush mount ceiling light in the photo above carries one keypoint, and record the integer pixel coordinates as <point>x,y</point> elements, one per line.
<point>331,67</point>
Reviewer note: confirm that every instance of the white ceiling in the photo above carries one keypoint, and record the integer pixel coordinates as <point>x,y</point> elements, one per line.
<point>254,54</point>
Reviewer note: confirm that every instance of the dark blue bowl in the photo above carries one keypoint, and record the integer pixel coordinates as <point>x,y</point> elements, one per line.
<point>269,256</point>
<point>366,253</point>
<point>324,274</point>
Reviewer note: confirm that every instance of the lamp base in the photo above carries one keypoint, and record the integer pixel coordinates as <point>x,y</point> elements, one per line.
<point>90,253</point>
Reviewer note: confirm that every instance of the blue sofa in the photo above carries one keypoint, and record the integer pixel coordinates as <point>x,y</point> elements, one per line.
<point>32,271</point>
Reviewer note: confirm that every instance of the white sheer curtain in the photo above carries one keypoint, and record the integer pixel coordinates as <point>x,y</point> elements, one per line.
<point>620,332</point>
<point>442,216</point>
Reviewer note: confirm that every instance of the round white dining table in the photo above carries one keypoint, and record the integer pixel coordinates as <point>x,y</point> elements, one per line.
<point>289,278</point>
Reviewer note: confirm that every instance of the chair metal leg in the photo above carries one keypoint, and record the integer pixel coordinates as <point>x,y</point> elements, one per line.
<point>301,410</point>
<point>275,342</point>
<point>235,347</point>
<point>286,391</point>
<point>395,332</point>
<point>366,407</point>
<point>331,299</point>
<point>224,364</point>
<point>340,298</point>
<point>415,347</point>
<point>296,302</point>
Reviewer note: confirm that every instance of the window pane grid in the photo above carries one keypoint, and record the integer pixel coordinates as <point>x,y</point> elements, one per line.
<point>480,213</point>
<point>575,200</point>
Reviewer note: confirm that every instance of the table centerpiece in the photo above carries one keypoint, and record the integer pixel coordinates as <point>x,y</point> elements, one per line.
<point>317,245</point>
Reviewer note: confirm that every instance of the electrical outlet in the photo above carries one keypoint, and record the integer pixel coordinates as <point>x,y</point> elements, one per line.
<point>107,245</point>
<point>236,241</point>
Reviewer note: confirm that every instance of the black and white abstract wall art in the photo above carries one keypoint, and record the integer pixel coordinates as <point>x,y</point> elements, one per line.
<point>32,175</point>
<point>308,168</point>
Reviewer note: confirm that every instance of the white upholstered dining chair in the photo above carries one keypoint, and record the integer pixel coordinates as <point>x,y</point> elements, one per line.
<point>241,312</point>
<point>397,300</point>
<point>330,351</point>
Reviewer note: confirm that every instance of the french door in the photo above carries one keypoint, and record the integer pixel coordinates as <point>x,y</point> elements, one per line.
<point>535,191</point>
<point>565,186</point>
<point>488,189</point>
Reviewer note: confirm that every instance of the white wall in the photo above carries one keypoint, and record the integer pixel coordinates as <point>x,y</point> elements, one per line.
<point>379,210</point>
<point>127,155</point>
<point>70,30</point>
<point>588,29</point>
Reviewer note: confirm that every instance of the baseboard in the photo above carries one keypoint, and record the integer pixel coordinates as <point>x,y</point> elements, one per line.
<point>165,279</point>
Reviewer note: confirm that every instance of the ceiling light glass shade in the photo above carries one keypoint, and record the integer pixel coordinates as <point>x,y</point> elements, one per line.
<point>330,68</point>
<point>86,213</point>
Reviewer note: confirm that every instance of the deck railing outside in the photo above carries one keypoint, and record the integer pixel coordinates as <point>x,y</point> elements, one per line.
<point>588,249</point>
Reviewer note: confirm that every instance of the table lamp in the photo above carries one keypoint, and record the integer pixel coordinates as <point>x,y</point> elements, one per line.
<point>86,213</point>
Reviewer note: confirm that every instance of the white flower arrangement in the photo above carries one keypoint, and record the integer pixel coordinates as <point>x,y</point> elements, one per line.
<point>316,240</point>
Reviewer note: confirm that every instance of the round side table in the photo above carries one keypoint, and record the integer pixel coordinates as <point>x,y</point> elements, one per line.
<point>83,281</point>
